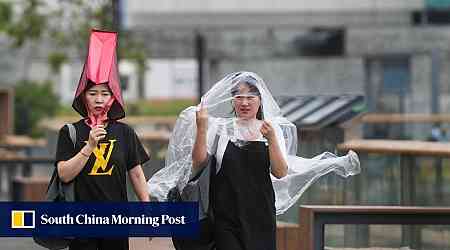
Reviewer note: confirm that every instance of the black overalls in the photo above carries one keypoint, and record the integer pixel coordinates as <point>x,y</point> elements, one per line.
<point>243,199</point>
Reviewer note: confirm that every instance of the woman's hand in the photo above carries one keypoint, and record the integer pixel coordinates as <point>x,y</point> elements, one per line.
<point>199,152</point>
<point>278,162</point>
<point>201,118</point>
<point>68,170</point>
<point>95,135</point>
<point>268,131</point>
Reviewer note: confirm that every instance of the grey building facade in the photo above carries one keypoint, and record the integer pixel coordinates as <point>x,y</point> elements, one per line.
<point>390,51</point>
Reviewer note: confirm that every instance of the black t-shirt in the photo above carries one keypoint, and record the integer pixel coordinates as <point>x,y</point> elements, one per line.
<point>103,178</point>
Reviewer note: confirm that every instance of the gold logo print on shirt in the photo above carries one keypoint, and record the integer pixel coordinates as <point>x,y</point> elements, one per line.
<point>101,162</point>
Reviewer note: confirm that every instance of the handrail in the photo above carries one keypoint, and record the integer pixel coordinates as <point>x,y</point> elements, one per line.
<point>402,147</point>
<point>405,118</point>
<point>314,218</point>
<point>27,160</point>
<point>20,141</point>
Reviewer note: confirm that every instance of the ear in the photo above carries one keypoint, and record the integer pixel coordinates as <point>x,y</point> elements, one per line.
<point>233,109</point>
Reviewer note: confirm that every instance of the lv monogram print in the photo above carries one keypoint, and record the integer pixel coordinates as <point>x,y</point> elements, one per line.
<point>101,163</point>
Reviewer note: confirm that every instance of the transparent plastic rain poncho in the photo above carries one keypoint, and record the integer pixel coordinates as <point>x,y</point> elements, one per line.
<point>222,122</point>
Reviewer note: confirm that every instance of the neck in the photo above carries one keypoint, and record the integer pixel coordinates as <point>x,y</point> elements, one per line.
<point>246,120</point>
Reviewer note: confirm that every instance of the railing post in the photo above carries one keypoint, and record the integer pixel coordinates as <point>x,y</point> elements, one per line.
<point>439,195</point>
<point>319,236</point>
<point>11,172</point>
<point>410,234</point>
<point>314,219</point>
<point>306,228</point>
<point>407,179</point>
<point>358,235</point>
<point>26,169</point>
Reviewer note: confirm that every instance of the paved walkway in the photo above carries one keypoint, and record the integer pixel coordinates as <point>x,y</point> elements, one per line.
<point>135,244</point>
<point>154,244</point>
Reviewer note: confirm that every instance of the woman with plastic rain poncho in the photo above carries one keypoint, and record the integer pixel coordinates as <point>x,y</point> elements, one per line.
<point>255,174</point>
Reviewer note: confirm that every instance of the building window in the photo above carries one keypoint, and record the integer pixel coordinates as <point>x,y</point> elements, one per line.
<point>389,82</point>
<point>436,12</point>
<point>395,76</point>
<point>320,42</point>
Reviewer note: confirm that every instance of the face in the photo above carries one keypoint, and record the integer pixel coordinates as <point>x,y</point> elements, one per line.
<point>246,103</point>
<point>97,97</point>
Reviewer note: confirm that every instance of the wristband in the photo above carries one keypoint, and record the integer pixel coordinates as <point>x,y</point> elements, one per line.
<point>86,155</point>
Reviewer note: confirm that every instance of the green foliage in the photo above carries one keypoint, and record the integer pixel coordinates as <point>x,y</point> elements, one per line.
<point>33,24</point>
<point>66,29</point>
<point>86,15</point>
<point>133,49</point>
<point>30,25</point>
<point>55,60</point>
<point>66,110</point>
<point>104,15</point>
<point>5,15</point>
<point>73,36</point>
<point>33,101</point>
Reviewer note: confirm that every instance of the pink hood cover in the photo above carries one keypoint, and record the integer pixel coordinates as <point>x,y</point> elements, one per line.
<point>100,67</point>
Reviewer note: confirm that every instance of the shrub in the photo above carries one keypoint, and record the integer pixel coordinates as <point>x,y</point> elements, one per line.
<point>33,101</point>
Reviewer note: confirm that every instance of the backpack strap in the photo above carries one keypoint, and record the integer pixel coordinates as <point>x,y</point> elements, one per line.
<point>55,185</point>
<point>72,133</point>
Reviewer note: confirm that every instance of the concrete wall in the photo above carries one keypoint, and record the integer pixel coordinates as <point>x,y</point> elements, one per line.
<point>263,5</point>
<point>296,75</point>
<point>301,76</point>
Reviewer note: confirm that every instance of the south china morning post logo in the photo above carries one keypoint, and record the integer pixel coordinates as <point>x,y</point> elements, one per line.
<point>45,219</point>
<point>114,219</point>
<point>22,219</point>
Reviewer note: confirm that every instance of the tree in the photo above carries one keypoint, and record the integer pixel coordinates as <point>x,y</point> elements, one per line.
<point>74,19</point>
<point>65,27</point>
<point>26,29</point>
<point>5,15</point>
<point>33,101</point>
